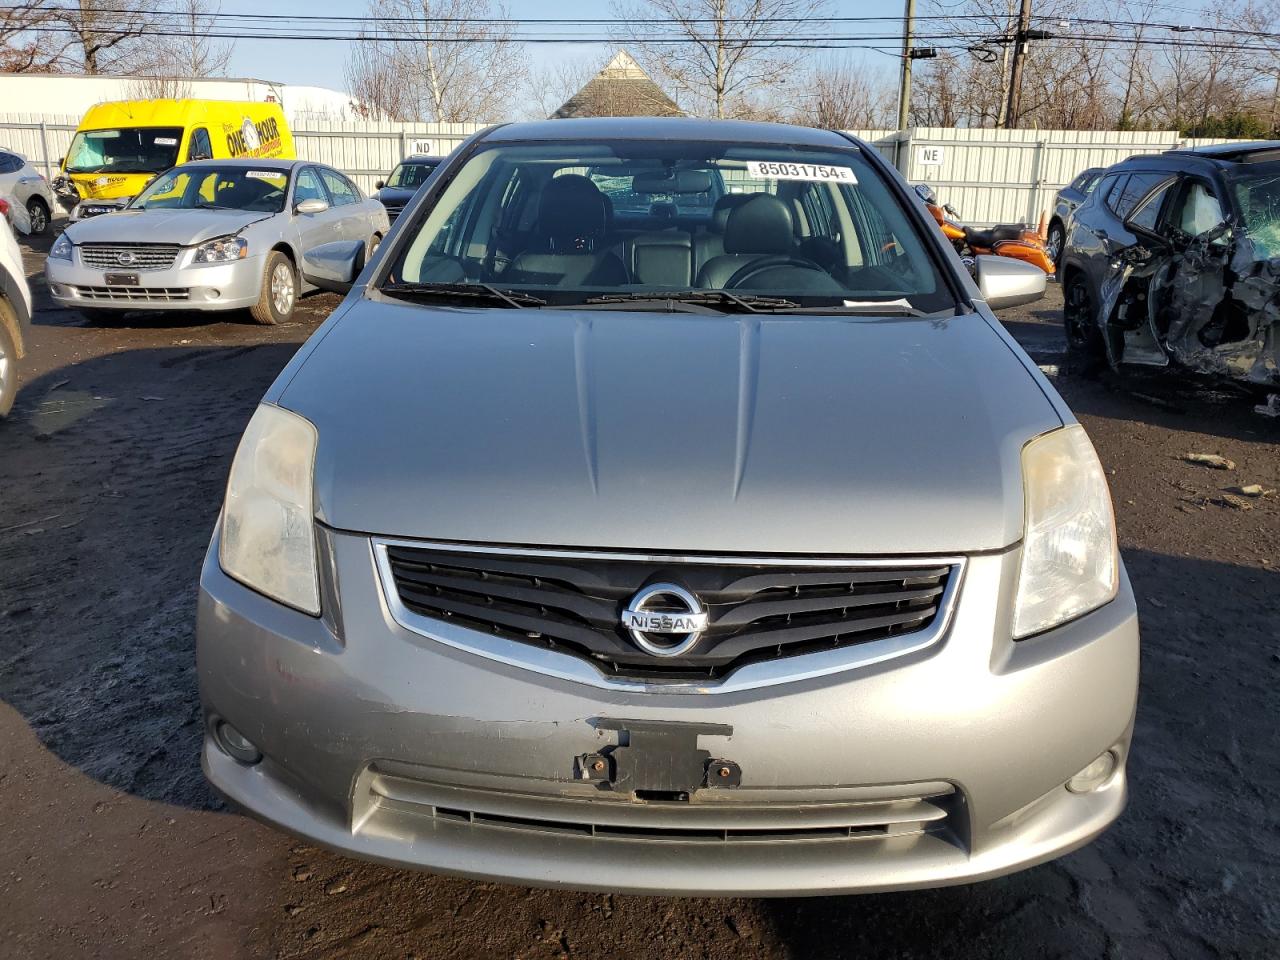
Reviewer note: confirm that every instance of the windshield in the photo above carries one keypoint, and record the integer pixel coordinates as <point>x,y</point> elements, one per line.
<point>567,220</point>
<point>1257,196</point>
<point>216,188</point>
<point>126,150</point>
<point>410,176</point>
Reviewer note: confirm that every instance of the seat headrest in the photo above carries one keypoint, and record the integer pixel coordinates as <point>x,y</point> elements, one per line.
<point>572,213</point>
<point>761,224</point>
<point>724,206</point>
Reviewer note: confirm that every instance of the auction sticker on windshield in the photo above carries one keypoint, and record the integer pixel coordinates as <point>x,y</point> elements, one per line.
<point>785,170</point>
<point>265,174</point>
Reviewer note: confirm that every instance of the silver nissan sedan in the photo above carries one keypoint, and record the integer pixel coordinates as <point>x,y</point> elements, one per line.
<point>212,235</point>
<point>664,510</point>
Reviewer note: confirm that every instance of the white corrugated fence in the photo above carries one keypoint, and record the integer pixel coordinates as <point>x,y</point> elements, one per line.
<point>990,176</point>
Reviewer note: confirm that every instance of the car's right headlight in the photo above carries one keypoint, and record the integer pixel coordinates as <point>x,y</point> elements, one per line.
<point>268,522</point>
<point>61,249</point>
<point>1070,563</point>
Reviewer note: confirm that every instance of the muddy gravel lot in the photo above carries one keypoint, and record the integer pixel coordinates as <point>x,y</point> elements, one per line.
<point>111,845</point>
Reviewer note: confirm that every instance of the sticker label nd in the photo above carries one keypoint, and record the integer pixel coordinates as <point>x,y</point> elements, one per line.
<point>786,170</point>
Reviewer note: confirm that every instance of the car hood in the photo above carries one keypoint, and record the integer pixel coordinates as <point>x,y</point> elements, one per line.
<point>670,432</point>
<point>183,227</point>
<point>395,195</point>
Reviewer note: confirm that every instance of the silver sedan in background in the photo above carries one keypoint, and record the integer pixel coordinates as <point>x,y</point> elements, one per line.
<point>212,235</point>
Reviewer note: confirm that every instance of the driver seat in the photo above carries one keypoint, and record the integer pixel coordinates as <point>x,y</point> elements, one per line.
<point>759,227</point>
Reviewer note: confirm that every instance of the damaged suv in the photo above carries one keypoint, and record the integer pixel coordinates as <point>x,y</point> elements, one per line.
<point>732,548</point>
<point>1175,258</point>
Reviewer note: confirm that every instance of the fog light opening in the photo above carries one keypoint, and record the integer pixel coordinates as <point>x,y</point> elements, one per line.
<point>1094,775</point>
<point>235,744</point>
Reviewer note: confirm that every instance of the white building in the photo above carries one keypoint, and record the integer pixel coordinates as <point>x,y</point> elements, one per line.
<point>73,94</point>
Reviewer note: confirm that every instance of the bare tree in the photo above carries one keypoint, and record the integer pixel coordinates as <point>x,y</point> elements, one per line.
<point>550,85</point>
<point>181,51</point>
<point>22,46</point>
<point>104,34</point>
<point>720,54</point>
<point>443,60</point>
<point>843,94</point>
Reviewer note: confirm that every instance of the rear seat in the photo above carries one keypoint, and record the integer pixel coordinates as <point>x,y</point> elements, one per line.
<point>673,257</point>
<point>661,258</point>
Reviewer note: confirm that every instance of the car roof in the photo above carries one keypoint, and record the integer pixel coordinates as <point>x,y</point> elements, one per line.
<point>249,164</point>
<point>666,128</point>
<point>1248,152</point>
<point>420,158</point>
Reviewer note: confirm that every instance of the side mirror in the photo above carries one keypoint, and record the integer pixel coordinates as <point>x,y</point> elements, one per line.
<point>925,193</point>
<point>311,205</point>
<point>1004,282</point>
<point>380,184</point>
<point>333,266</point>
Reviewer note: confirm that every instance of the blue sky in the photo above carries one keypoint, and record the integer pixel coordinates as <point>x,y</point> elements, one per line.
<point>321,62</point>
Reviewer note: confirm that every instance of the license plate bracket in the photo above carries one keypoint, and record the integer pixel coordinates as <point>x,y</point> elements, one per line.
<point>121,279</point>
<point>658,759</point>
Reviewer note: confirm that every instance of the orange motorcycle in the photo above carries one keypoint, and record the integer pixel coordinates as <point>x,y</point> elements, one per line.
<point>1014,240</point>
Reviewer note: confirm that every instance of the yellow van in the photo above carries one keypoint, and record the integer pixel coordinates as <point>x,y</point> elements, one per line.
<point>119,147</point>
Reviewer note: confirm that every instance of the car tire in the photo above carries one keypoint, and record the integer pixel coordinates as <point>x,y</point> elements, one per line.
<point>38,214</point>
<point>1055,240</point>
<point>374,243</point>
<point>1079,323</point>
<point>8,362</point>
<point>279,291</point>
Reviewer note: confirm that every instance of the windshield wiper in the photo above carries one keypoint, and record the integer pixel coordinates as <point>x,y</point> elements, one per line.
<point>456,291</point>
<point>711,298</point>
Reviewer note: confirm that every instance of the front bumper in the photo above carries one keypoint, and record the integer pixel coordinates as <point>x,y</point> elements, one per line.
<point>222,286</point>
<point>945,765</point>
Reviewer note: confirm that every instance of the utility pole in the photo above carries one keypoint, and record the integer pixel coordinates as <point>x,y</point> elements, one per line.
<point>904,89</point>
<point>1015,75</point>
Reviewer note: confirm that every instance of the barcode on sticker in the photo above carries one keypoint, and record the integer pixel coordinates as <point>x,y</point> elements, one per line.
<point>785,170</point>
<point>166,141</point>
<point>265,174</point>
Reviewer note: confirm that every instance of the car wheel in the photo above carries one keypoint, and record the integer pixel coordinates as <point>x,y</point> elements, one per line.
<point>38,213</point>
<point>374,243</point>
<point>8,366</point>
<point>279,291</point>
<point>1078,319</point>
<point>1053,244</point>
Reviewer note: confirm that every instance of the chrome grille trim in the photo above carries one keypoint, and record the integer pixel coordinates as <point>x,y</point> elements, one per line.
<point>145,256</point>
<point>751,676</point>
<point>135,294</point>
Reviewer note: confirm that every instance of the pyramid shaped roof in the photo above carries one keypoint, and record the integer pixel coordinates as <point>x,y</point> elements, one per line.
<point>621,89</point>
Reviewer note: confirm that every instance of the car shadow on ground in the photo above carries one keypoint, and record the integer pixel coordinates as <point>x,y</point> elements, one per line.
<point>111,478</point>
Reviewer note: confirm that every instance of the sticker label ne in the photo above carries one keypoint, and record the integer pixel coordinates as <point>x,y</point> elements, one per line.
<point>785,170</point>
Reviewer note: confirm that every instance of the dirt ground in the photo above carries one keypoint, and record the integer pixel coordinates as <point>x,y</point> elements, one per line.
<point>111,845</point>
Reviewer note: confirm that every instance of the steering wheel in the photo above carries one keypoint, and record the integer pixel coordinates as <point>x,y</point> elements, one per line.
<point>744,273</point>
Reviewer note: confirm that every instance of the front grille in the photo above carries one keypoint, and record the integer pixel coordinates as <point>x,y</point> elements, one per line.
<point>394,210</point>
<point>129,256</point>
<point>146,294</point>
<point>757,611</point>
<point>737,819</point>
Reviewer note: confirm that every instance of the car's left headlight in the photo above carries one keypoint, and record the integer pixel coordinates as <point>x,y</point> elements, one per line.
<point>61,249</point>
<point>1070,563</point>
<point>222,250</point>
<point>268,523</point>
